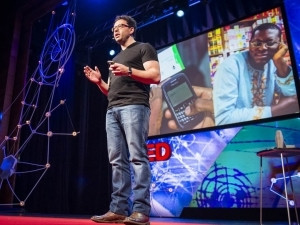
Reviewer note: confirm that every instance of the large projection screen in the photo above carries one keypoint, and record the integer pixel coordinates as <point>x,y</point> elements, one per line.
<point>216,166</point>
<point>215,76</point>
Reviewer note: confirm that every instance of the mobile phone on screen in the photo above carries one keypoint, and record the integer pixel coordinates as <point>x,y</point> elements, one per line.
<point>179,94</point>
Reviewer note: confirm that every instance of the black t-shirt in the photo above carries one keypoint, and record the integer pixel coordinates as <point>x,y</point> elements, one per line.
<point>124,90</point>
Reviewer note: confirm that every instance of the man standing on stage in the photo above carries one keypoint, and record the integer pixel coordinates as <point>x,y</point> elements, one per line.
<point>127,123</point>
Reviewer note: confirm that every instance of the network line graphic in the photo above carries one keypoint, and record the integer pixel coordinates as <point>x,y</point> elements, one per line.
<point>38,106</point>
<point>175,181</point>
<point>226,187</point>
<point>275,190</point>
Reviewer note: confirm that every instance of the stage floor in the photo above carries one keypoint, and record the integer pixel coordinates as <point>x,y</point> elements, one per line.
<point>84,220</point>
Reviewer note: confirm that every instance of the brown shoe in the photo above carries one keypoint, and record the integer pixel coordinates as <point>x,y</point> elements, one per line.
<point>137,218</point>
<point>109,217</point>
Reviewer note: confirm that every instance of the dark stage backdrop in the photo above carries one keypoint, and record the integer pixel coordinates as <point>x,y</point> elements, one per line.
<point>78,181</point>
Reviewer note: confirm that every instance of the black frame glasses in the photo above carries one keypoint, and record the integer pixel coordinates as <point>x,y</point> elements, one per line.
<point>268,44</point>
<point>122,25</point>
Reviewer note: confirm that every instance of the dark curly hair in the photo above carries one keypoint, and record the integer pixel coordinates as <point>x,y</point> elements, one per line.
<point>130,21</point>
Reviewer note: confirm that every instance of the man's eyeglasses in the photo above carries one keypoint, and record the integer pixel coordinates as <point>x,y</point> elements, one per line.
<point>119,26</point>
<point>268,44</point>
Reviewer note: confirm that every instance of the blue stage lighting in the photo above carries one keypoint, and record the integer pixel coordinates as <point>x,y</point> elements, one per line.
<point>180,13</point>
<point>112,52</point>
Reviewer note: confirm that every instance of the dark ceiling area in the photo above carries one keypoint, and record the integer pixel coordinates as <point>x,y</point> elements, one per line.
<point>95,16</point>
<point>93,13</point>
<point>94,19</point>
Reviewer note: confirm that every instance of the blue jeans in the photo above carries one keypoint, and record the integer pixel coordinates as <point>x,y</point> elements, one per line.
<point>127,132</point>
